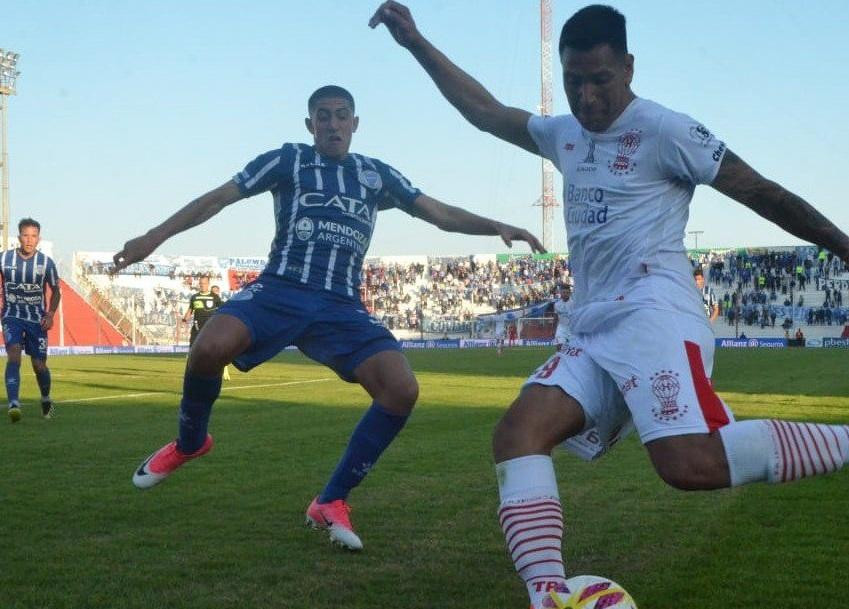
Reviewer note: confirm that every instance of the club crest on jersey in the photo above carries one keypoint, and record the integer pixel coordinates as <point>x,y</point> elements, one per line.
<point>628,145</point>
<point>666,387</point>
<point>304,228</point>
<point>371,179</point>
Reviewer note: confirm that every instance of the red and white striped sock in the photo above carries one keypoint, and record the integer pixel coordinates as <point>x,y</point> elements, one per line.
<point>532,521</point>
<point>781,451</point>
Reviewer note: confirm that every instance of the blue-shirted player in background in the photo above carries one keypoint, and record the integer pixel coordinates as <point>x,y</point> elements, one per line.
<point>26,273</point>
<point>325,207</point>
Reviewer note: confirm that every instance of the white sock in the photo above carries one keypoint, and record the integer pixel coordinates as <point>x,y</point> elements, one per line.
<point>781,451</point>
<point>532,521</point>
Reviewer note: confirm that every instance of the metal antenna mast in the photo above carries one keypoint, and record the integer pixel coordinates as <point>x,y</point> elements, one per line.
<point>547,200</point>
<point>8,75</point>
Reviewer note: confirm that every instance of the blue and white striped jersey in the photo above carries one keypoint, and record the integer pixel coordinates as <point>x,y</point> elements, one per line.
<point>23,284</point>
<point>325,212</point>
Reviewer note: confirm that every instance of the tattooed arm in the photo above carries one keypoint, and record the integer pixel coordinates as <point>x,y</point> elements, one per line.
<point>778,205</point>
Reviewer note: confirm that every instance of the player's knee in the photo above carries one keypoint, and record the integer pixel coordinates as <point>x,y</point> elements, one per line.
<point>403,394</point>
<point>208,356</point>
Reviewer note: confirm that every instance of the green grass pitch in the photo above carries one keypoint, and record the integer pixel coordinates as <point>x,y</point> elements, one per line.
<point>226,532</point>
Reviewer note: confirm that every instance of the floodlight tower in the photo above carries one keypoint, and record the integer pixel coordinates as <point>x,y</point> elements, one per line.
<point>547,200</point>
<point>8,74</point>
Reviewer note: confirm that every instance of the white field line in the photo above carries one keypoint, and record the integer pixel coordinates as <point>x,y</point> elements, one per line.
<point>223,389</point>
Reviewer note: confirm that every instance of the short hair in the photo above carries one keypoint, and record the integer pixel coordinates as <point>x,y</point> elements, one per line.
<point>329,91</point>
<point>697,272</point>
<point>593,25</point>
<point>28,222</point>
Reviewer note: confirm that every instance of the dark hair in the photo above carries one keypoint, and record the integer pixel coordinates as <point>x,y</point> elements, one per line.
<point>593,25</point>
<point>329,91</point>
<point>697,272</point>
<point>28,222</point>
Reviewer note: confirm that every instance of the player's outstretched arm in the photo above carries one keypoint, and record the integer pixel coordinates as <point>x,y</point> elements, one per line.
<point>457,220</point>
<point>197,212</point>
<point>736,179</point>
<point>466,94</point>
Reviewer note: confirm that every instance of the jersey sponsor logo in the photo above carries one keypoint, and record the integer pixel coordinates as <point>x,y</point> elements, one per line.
<point>584,194</point>
<point>26,287</point>
<point>304,228</point>
<point>342,234</point>
<point>584,214</point>
<point>349,206</point>
<point>717,154</point>
<point>700,134</point>
<point>371,179</point>
<point>666,387</point>
<point>569,147</point>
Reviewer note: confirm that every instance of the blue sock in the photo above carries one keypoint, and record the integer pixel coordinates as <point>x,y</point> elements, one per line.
<point>371,436</point>
<point>43,378</point>
<point>199,392</point>
<point>13,380</point>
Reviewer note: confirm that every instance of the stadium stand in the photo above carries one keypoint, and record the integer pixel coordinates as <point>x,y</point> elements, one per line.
<point>80,324</point>
<point>772,292</point>
<point>762,292</point>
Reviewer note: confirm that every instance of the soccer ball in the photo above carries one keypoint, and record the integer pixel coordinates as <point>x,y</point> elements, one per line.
<point>591,592</point>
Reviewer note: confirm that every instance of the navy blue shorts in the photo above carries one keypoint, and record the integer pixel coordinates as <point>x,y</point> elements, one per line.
<point>327,327</point>
<point>27,333</point>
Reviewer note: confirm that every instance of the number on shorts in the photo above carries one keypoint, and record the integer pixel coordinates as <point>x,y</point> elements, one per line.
<point>42,344</point>
<point>548,369</point>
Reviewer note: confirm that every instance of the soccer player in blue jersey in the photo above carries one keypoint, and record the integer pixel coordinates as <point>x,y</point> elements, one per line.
<point>326,201</point>
<point>26,273</point>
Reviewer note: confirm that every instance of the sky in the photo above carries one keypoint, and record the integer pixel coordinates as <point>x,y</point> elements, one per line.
<point>126,111</point>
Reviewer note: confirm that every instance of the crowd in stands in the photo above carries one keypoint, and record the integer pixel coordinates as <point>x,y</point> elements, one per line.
<point>457,289</point>
<point>788,286</point>
<point>778,288</point>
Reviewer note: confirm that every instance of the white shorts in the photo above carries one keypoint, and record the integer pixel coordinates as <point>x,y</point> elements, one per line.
<point>562,337</point>
<point>651,371</point>
<point>500,334</point>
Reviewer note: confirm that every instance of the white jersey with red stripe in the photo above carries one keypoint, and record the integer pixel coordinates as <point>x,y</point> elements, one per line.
<point>626,195</point>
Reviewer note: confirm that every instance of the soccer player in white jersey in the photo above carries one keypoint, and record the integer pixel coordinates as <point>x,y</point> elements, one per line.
<point>563,310</point>
<point>326,202</point>
<point>26,274</point>
<point>500,330</point>
<point>641,348</point>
